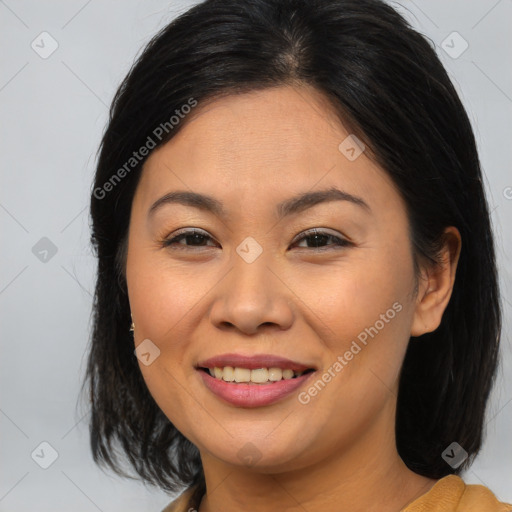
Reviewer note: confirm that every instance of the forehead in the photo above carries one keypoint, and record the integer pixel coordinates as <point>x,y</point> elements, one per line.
<point>268,143</point>
<point>280,123</point>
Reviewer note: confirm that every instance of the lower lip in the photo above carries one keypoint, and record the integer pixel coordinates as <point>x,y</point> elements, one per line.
<point>253,395</point>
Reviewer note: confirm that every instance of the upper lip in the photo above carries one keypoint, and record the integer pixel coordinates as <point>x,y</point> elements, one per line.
<point>253,362</point>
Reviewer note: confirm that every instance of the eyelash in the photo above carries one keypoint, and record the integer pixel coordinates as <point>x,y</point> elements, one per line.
<point>339,242</point>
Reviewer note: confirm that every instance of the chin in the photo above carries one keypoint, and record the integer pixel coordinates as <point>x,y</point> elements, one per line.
<point>263,455</point>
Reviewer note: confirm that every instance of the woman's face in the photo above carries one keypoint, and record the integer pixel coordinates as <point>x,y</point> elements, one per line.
<point>256,282</point>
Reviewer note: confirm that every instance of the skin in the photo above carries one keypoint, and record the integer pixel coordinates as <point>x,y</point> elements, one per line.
<point>252,151</point>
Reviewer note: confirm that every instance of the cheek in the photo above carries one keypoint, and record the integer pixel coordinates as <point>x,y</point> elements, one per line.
<point>362,312</point>
<point>162,301</point>
<point>363,318</point>
<point>345,299</point>
<point>162,294</point>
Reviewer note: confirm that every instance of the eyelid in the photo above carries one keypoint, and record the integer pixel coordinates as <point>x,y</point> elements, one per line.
<point>166,241</point>
<point>319,231</point>
<point>189,230</point>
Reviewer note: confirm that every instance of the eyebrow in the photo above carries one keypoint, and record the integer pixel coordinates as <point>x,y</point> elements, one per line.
<point>288,207</point>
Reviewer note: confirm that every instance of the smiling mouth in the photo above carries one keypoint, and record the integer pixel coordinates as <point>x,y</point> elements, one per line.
<point>259,376</point>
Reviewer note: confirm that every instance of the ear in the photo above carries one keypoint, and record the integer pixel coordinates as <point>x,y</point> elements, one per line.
<point>436,285</point>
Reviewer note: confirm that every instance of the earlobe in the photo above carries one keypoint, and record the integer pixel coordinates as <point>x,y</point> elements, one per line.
<point>436,287</point>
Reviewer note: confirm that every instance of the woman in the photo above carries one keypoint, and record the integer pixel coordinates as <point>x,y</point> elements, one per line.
<point>297,304</point>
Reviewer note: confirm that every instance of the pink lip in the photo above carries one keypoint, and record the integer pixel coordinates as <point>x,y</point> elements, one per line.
<point>253,362</point>
<point>252,395</point>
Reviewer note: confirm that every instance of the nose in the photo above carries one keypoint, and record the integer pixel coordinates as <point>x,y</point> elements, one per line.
<point>252,298</point>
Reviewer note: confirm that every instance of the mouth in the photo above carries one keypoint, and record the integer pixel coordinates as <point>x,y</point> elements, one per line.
<point>253,381</point>
<point>257,376</point>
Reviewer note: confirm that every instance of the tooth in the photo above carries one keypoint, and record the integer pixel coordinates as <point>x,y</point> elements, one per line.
<point>228,374</point>
<point>275,374</point>
<point>259,375</point>
<point>242,375</point>
<point>287,374</point>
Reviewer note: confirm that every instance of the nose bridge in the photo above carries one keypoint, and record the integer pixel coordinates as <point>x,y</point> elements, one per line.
<point>251,295</point>
<point>251,281</point>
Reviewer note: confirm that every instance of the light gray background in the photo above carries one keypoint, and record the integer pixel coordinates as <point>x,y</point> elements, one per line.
<point>53,112</point>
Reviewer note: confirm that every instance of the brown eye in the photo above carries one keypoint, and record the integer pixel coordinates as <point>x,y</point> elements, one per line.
<point>316,239</point>
<point>190,237</point>
<point>320,239</point>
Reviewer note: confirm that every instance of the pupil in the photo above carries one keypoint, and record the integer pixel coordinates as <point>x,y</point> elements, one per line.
<point>315,239</point>
<point>197,237</point>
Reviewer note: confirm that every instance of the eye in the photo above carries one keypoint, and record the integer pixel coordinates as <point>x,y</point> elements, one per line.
<point>194,237</point>
<point>197,238</point>
<point>319,238</point>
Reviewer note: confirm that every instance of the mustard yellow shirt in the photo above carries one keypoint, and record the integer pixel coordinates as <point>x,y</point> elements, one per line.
<point>449,494</point>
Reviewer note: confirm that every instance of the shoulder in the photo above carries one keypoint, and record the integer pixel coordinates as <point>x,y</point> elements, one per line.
<point>182,503</point>
<point>452,494</point>
<point>481,497</point>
